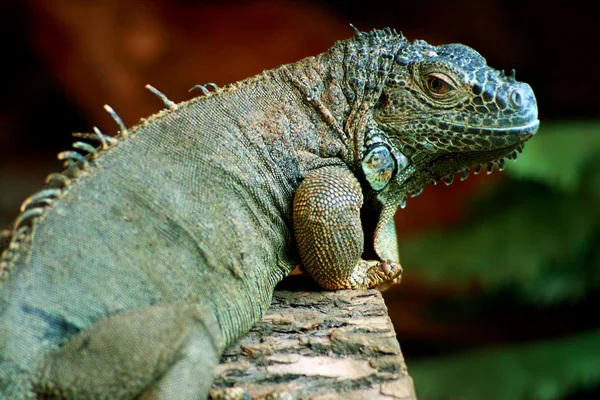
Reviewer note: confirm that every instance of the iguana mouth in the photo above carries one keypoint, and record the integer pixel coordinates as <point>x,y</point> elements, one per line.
<point>526,130</point>
<point>494,159</point>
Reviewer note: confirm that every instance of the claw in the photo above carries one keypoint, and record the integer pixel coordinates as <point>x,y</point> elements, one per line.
<point>386,268</point>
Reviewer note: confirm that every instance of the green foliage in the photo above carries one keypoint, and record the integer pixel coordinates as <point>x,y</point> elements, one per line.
<point>546,370</point>
<point>522,234</point>
<point>559,156</point>
<point>540,232</point>
<point>536,236</point>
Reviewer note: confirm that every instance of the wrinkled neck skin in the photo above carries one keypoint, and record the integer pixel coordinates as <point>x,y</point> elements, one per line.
<point>343,85</point>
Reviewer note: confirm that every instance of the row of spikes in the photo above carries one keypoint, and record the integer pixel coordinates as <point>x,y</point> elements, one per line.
<point>377,33</point>
<point>74,162</point>
<point>464,173</point>
<point>512,75</point>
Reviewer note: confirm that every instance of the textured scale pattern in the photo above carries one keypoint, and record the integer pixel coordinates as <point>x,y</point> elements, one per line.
<point>131,271</point>
<point>332,196</point>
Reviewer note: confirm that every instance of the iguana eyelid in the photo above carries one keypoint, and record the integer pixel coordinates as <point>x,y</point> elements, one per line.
<point>442,77</point>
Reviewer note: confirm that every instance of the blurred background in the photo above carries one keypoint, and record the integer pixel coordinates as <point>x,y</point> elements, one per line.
<point>501,293</point>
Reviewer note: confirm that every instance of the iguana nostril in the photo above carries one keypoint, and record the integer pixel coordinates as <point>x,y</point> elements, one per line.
<point>516,98</point>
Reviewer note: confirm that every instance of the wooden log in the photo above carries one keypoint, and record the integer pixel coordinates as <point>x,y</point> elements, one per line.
<point>317,345</point>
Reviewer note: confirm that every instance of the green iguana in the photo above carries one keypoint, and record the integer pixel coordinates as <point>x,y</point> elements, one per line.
<point>128,275</point>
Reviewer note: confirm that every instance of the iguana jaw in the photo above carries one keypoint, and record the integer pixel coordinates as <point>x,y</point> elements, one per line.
<point>447,164</point>
<point>432,168</point>
<point>525,131</point>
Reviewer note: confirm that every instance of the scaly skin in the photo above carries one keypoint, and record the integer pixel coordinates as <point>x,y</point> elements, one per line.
<point>129,274</point>
<point>440,111</point>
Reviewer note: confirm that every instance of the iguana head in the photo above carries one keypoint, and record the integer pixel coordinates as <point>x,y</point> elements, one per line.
<point>444,110</point>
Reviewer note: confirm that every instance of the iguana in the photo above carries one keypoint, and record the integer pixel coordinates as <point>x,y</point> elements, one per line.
<point>129,273</point>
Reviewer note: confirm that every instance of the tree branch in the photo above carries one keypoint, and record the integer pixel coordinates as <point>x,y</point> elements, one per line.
<point>318,345</point>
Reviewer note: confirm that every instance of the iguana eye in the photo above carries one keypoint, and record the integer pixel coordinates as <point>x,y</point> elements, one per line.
<point>438,84</point>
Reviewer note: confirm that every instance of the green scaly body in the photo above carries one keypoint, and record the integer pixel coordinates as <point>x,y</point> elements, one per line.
<point>133,270</point>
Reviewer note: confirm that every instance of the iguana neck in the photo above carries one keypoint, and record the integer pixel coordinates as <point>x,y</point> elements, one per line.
<point>344,84</point>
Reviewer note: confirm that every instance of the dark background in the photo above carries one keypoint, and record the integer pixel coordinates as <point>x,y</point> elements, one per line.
<point>62,60</point>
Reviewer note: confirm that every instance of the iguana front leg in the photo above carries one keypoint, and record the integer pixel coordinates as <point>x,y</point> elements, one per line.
<point>329,232</point>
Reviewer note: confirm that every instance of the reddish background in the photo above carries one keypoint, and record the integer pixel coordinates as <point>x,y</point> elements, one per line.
<point>63,59</point>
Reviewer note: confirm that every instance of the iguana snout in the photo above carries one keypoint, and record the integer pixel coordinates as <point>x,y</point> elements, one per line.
<point>447,99</point>
<point>522,102</point>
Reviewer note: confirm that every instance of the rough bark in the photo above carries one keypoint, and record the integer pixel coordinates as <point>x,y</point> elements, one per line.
<point>317,345</point>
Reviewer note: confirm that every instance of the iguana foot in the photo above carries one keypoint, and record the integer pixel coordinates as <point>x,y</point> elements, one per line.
<point>329,233</point>
<point>372,273</point>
